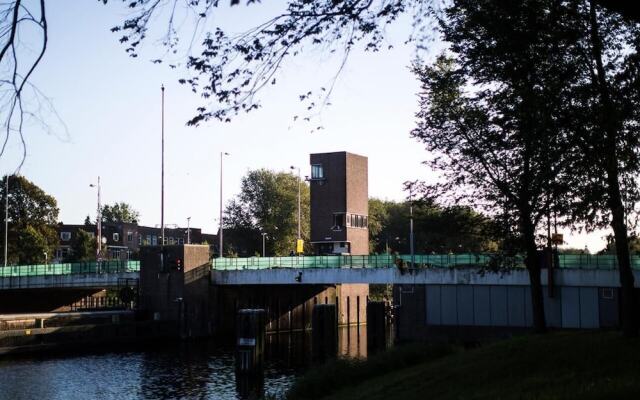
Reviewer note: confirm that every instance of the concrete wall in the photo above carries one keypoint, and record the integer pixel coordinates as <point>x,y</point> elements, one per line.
<point>180,295</point>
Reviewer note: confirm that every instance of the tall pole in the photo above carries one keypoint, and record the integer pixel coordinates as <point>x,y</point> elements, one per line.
<point>162,177</point>
<point>99,224</point>
<point>299,212</point>
<point>6,218</point>
<point>411,225</point>
<point>222,154</point>
<point>264,247</point>
<point>188,230</point>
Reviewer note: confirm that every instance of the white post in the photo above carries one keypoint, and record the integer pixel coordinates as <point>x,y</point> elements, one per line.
<point>98,222</point>
<point>188,230</point>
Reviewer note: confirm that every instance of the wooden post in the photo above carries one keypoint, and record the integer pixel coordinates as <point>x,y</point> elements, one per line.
<point>250,334</point>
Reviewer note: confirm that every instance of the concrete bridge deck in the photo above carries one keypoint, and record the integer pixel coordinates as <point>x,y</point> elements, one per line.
<point>425,276</point>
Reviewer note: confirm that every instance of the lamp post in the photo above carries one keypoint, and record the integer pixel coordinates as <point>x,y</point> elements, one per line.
<point>6,218</point>
<point>264,247</point>
<point>411,224</point>
<point>98,222</point>
<point>299,212</point>
<point>188,230</point>
<point>222,154</point>
<point>162,177</point>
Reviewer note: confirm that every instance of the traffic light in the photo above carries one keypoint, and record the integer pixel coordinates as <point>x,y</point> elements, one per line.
<point>178,264</point>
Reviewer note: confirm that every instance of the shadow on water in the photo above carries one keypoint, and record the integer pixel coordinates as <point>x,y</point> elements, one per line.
<point>173,370</point>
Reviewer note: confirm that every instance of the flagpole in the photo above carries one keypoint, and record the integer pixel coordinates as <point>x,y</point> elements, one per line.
<point>162,177</point>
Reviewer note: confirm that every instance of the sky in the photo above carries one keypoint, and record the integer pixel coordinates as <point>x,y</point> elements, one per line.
<point>110,106</point>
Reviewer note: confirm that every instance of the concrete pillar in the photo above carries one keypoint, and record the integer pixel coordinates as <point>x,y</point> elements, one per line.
<point>376,326</point>
<point>250,331</point>
<point>324,331</point>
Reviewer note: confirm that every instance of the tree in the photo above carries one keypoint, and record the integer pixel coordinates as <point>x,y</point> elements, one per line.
<point>83,247</point>
<point>437,229</point>
<point>32,217</point>
<point>120,212</point>
<point>232,68</point>
<point>87,221</point>
<point>607,101</point>
<point>492,115</point>
<point>267,203</point>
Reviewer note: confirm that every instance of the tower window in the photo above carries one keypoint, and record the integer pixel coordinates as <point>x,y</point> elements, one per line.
<point>317,171</point>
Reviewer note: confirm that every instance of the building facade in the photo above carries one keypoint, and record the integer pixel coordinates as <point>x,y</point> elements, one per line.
<point>123,240</point>
<point>339,203</point>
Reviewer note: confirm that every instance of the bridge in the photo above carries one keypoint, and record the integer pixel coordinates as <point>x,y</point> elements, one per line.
<point>373,269</point>
<point>89,275</point>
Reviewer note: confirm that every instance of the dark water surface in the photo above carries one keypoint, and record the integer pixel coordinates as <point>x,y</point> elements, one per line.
<point>175,371</point>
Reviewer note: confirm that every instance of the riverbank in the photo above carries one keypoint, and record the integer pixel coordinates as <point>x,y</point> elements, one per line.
<point>564,365</point>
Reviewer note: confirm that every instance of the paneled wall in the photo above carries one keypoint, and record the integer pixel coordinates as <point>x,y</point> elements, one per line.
<point>510,306</point>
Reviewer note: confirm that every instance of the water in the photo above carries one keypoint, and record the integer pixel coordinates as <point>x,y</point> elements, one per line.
<point>174,371</point>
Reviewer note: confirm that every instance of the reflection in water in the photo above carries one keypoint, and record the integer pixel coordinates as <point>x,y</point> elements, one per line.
<point>174,371</point>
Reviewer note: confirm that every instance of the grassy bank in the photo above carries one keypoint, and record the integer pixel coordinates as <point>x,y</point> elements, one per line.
<point>568,365</point>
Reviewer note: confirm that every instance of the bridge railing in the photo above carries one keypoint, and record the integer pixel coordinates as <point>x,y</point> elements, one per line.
<point>372,261</point>
<point>91,267</point>
<point>573,261</point>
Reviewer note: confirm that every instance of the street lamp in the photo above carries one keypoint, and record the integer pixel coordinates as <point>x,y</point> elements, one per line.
<point>411,224</point>
<point>188,230</point>
<point>6,218</point>
<point>222,154</point>
<point>299,219</point>
<point>98,222</point>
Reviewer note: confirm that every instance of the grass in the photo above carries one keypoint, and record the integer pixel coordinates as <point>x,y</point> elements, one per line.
<point>566,365</point>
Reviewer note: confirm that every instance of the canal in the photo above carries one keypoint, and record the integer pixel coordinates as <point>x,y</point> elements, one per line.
<point>196,370</point>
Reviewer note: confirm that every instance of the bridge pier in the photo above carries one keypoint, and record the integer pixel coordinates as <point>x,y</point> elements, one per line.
<point>324,332</point>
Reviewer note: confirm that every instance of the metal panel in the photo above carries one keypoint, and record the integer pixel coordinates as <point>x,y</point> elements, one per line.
<point>515,305</point>
<point>608,307</point>
<point>553,307</point>
<point>499,306</point>
<point>482,305</point>
<point>589,312</point>
<point>465,304</point>
<point>570,297</point>
<point>433,304</point>
<point>449,305</point>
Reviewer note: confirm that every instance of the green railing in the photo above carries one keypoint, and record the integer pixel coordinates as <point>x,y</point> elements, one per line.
<point>378,261</point>
<point>574,261</point>
<point>92,267</point>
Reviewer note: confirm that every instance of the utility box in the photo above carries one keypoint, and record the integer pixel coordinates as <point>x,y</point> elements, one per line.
<point>174,287</point>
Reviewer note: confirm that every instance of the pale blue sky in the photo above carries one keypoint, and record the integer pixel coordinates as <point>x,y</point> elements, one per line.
<point>110,104</point>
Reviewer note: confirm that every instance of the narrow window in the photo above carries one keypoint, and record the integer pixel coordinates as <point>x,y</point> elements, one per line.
<point>317,172</point>
<point>66,236</point>
<point>116,237</point>
<point>129,237</point>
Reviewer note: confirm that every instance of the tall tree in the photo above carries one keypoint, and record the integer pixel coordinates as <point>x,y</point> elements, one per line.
<point>32,218</point>
<point>268,203</point>
<point>605,105</point>
<point>119,212</point>
<point>492,115</point>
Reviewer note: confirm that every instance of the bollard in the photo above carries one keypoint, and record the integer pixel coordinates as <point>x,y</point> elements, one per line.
<point>324,332</point>
<point>376,326</point>
<point>250,331</point>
